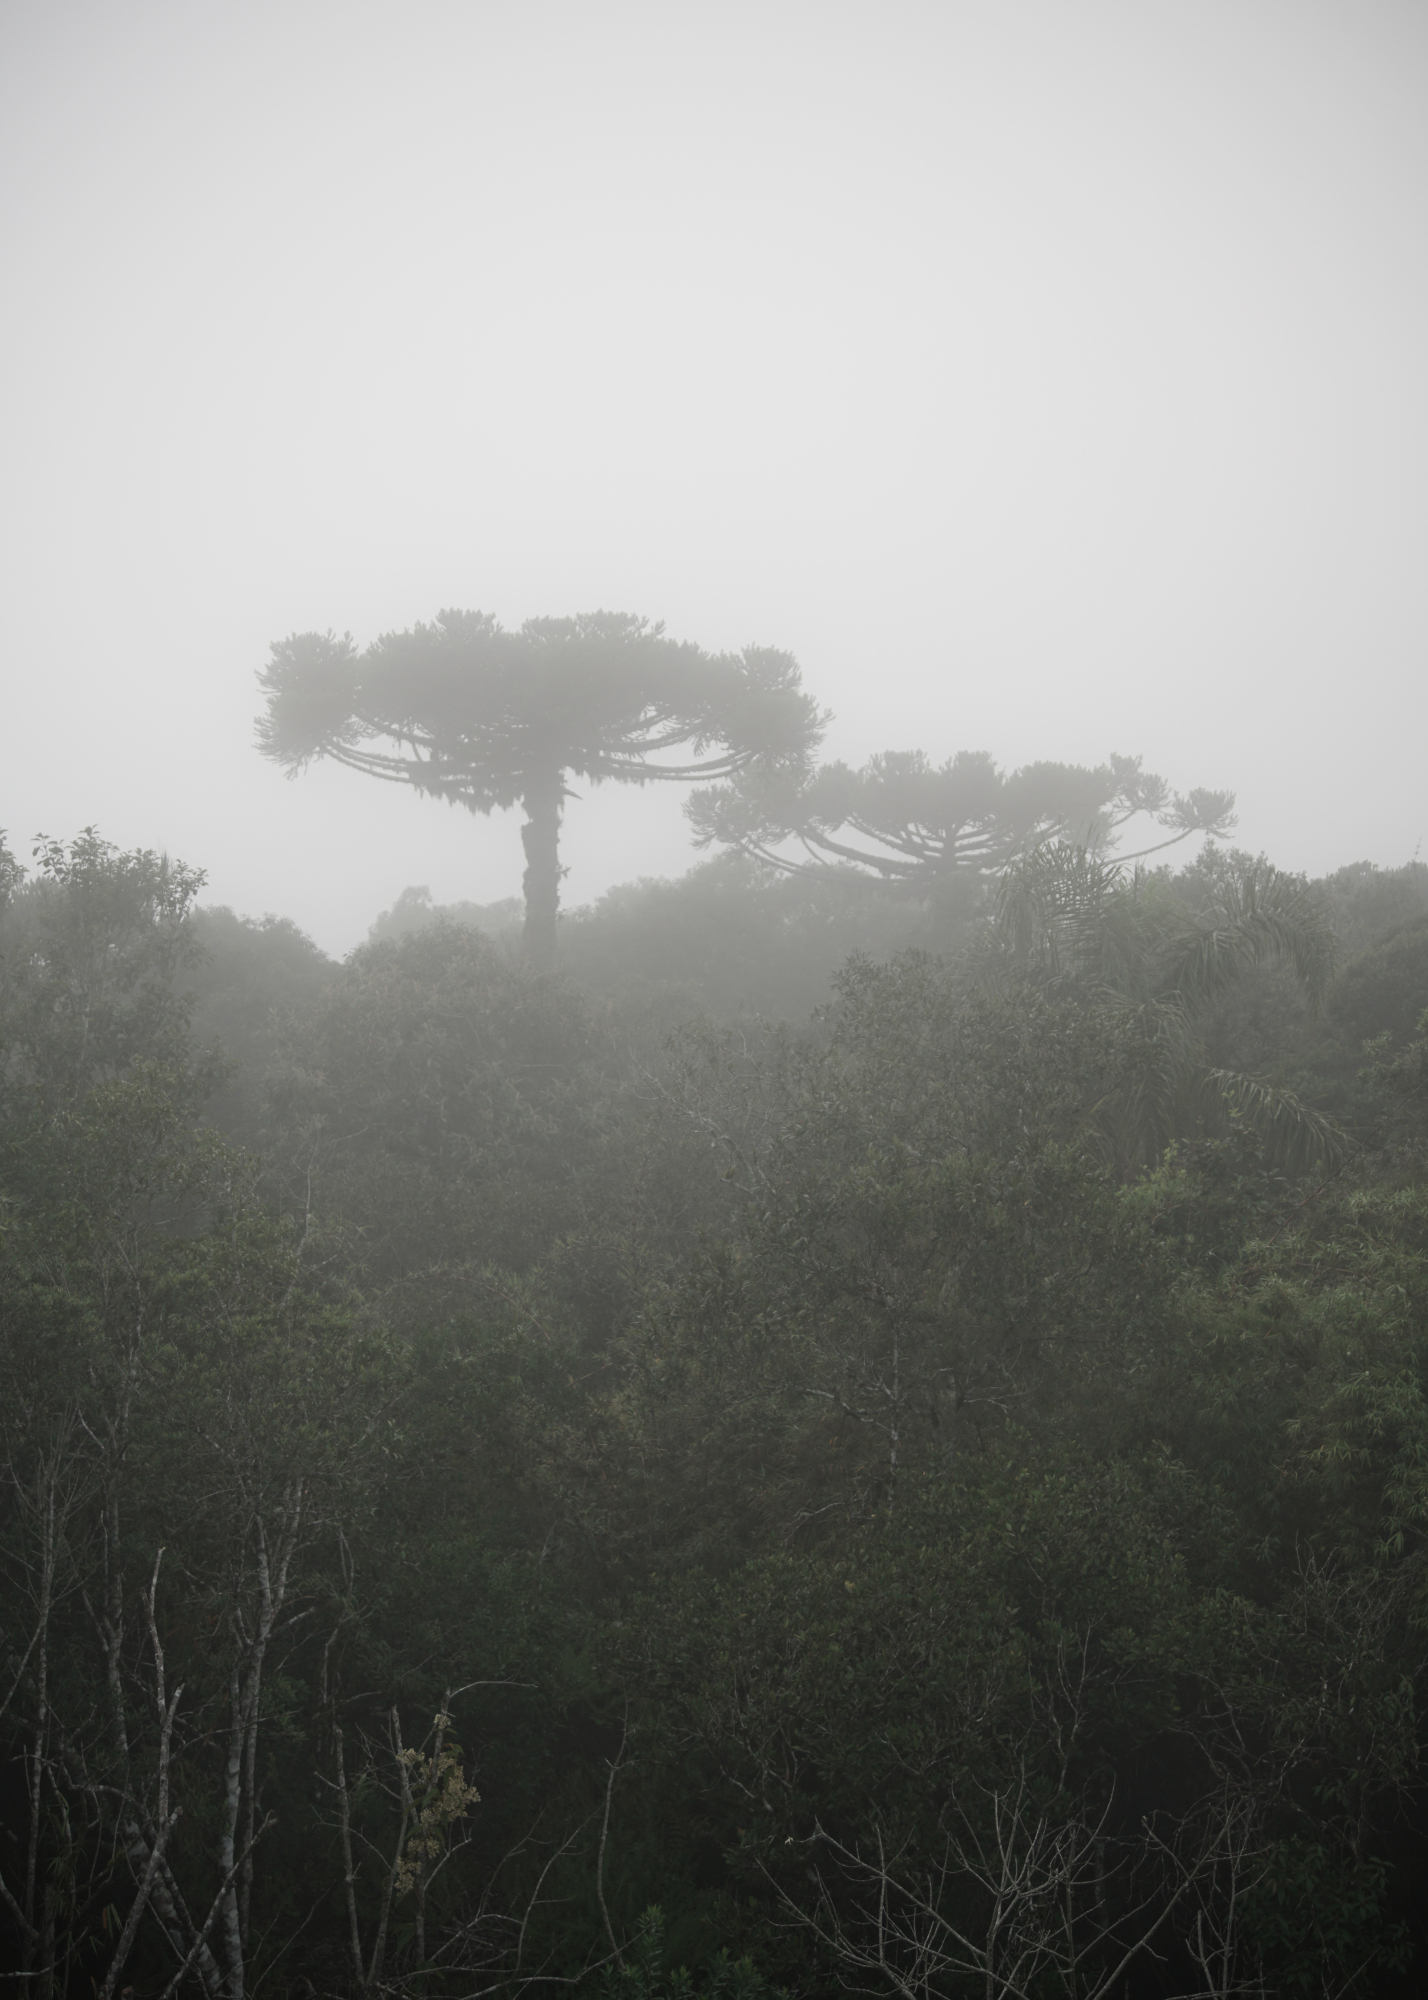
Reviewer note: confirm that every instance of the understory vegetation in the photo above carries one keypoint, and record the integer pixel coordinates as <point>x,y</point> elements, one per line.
<point>842,1441</point>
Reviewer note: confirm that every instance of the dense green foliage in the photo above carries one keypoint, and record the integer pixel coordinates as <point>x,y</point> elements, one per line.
<point>511,1483</point>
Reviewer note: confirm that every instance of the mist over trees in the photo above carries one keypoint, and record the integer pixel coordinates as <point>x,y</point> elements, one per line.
<point>866,1434</point>
<point>487,718</point>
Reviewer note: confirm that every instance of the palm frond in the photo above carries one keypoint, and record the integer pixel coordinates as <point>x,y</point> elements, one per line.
<point>1293,1133</point>
<point>1265,917</point>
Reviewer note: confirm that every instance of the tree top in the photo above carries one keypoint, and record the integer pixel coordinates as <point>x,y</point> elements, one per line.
<point>466,710</point>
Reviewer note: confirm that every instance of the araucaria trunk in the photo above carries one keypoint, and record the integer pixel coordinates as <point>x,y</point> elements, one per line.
<point>540,837</point>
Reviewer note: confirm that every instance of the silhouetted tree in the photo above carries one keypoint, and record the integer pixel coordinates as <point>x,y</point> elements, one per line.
<point>910,821</point>
<point>486,718</point>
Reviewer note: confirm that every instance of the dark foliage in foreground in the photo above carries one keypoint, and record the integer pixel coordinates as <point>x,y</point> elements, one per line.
<point>497,1497</point>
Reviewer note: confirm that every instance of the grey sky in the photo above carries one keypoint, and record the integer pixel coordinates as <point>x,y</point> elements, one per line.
<point>1049,378</point>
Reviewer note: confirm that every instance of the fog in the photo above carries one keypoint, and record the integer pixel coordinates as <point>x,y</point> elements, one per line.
<point>1048,379</point>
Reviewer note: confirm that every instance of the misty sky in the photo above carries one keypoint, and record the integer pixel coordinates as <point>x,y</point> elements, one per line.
<point>1050,378</point>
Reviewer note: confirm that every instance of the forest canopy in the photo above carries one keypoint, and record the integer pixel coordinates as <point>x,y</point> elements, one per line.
<point>847,1437</point>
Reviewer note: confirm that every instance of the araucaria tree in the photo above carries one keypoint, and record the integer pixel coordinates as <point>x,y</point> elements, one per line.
<point>910,822</point>
<point>487,718</point>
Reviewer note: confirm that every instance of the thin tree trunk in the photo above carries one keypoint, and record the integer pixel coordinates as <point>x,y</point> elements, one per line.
<point>245,1704</point>
<point>349,1872</point>
<point>191,1945</point>
<point>540,837</point>
<point>228,1838</point>
<point>379,1947</point>
<point>166,1706</point>
<point>36,1773</point>
<point>111,1623</point>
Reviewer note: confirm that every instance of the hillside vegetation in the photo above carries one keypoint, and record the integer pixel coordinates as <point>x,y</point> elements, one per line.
<point>844,1440</point>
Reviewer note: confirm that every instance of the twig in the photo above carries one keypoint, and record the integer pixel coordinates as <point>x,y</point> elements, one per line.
<point>604,1836</point>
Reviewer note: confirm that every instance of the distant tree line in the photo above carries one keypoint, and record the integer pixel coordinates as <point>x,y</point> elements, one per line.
<point>464,710</point>
<point>869,1433</point>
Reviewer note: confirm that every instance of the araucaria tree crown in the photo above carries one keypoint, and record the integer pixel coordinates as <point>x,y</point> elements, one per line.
<point>908,821</point>
<point>488,718</point>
